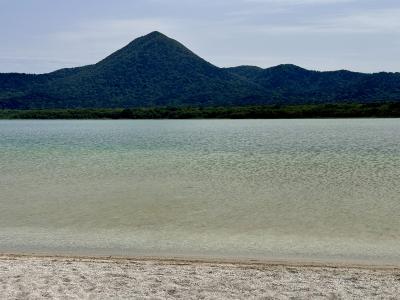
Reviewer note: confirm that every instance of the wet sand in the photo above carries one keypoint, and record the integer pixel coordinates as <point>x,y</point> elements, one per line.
<point>38,277</point>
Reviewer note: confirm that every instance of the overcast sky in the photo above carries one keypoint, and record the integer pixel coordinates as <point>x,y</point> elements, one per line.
<point>39,36</point>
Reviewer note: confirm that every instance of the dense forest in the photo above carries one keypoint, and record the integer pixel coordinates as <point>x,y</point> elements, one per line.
<point>156,71</point>
<point>372,110</point>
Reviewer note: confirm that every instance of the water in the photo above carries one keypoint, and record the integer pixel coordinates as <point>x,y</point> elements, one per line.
<point>321,190</point>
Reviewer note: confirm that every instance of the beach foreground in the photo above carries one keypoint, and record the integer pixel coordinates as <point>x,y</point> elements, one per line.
<point>63,277</point>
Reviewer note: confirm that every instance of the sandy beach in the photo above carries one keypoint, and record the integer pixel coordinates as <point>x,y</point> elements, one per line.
<point>38,277</point>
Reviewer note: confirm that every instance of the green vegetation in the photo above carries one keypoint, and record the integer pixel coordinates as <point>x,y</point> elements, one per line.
<point>155,71</point>
<point>243,112</point>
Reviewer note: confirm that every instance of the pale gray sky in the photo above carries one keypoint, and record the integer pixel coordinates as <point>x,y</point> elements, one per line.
<point>362,35</point>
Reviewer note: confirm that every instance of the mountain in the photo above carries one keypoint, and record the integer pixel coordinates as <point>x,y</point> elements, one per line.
<point>155,70</point>
<point>296,85</point>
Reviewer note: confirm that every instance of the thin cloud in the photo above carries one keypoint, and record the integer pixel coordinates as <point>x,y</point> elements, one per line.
<point>381,21</point>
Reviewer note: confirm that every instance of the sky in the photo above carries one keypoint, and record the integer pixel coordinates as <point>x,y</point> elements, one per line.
<point>38,36</point>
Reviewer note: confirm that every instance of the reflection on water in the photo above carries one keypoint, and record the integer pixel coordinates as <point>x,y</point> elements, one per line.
<point>301,189</point>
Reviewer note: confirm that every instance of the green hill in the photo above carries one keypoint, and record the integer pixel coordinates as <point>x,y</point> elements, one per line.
<point>295,85</point>
<point>155,70</point>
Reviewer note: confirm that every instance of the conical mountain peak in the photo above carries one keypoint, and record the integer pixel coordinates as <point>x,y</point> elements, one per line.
<point>155,70</point>
<point>155,34</point>
<point>152,46</point>
<point>152,36</point>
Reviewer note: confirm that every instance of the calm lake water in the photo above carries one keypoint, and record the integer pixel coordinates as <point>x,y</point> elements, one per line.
<point>266,189</point>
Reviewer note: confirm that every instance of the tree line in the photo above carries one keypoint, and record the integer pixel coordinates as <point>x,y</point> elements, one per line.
<point>350,110</point>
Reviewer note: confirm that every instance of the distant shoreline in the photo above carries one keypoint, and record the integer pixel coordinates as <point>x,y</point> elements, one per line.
<point>313,111</point>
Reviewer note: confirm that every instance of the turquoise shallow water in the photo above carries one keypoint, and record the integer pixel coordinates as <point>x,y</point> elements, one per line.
<point>268,189</point>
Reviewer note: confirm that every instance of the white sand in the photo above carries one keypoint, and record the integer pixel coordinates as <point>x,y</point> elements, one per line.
<point>25,277</point>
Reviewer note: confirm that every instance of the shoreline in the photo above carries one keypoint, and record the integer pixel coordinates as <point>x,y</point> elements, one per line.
<point>288,111</point>
<point>179,260</point>
<point>79,277</point>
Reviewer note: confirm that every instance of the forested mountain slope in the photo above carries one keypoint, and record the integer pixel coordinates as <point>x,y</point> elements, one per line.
<point>155,70</point>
